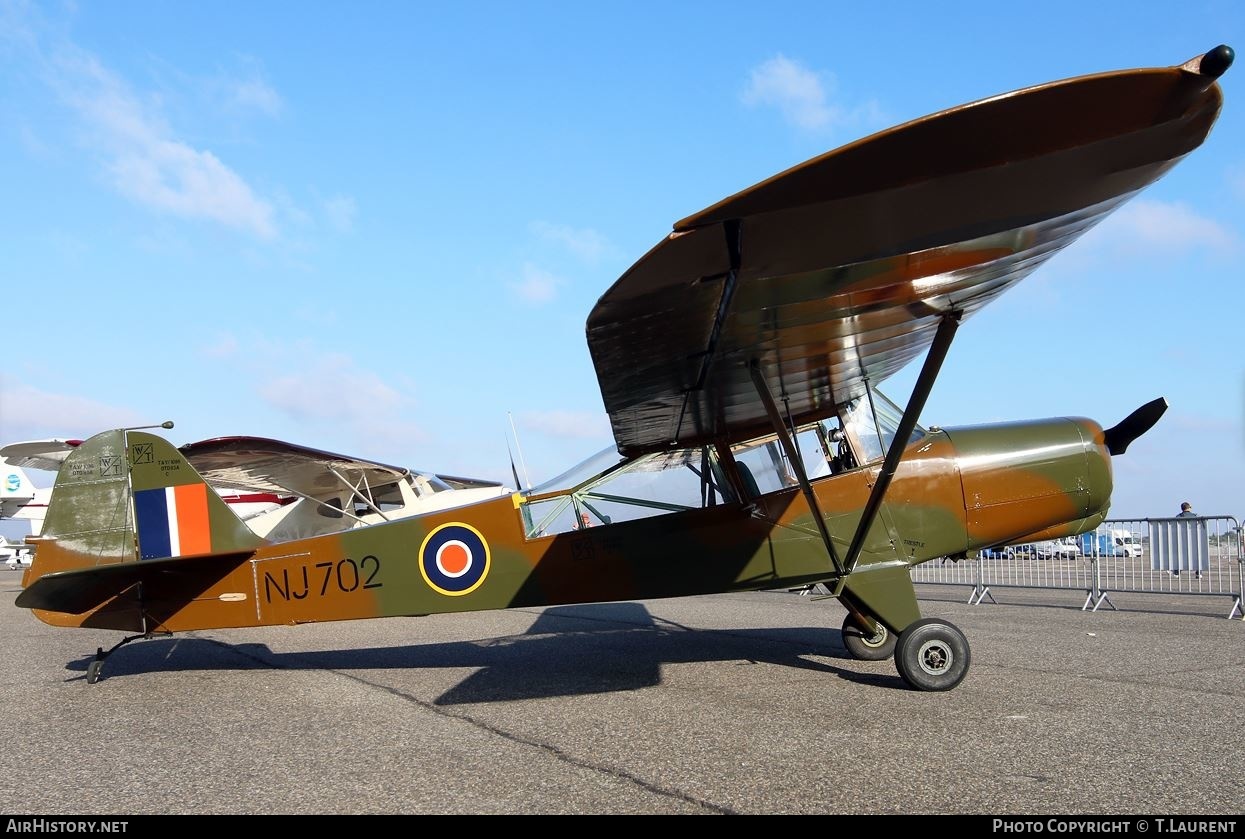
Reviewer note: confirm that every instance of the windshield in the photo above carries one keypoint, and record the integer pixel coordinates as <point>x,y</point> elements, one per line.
<point>595,465</point>
<point>872,421</point>
<point>434,482</point>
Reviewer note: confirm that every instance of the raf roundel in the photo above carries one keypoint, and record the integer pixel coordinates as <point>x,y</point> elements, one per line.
<point>454,559</point>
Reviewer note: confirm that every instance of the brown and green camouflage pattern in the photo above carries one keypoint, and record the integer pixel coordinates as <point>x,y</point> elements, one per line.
<point>955,491</point>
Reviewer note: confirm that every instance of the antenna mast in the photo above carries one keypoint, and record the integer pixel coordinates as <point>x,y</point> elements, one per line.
<point>522,462</point>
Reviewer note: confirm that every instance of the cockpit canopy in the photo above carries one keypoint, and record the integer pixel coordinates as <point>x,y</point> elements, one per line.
<point>608,487</point>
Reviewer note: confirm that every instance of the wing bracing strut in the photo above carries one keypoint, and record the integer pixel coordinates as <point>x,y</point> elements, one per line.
<point>916,403</point>
<point>797,462</point>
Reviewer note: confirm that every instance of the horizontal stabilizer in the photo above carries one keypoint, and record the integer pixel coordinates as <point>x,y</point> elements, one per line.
<point>84,589</point>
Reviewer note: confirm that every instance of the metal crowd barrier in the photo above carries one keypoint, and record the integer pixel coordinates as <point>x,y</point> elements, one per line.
<point>1196,556</point>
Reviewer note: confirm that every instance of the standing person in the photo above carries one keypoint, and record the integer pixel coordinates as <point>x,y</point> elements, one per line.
<point>1186,511</point>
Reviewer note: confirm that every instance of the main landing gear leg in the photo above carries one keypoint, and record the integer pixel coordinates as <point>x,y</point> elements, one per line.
<point>930,654</point>
<point>97,664</point>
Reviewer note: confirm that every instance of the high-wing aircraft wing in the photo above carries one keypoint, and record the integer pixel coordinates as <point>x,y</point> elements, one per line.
<point>258,464</point>
<point>268,465</point>
<point>265,465</point>
<point>838,272</point>
<point>47,455</point>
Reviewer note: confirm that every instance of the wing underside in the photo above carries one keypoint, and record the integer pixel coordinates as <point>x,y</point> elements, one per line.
<point>837,272</point>
<point>47,455</point>
<point>258,464</point>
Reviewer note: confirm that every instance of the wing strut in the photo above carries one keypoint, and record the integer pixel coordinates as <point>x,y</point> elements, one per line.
<point>793,455</point>
<point>916,403</point>
<point>734,233</point>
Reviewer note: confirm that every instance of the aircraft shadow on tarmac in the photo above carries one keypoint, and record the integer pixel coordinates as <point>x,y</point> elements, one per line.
<point>569,650</point>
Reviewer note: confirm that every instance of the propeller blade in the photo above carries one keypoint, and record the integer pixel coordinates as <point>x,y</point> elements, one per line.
<point>1134,425</point>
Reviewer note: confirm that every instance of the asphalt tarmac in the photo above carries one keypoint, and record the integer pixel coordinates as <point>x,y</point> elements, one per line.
<point>729,704</point>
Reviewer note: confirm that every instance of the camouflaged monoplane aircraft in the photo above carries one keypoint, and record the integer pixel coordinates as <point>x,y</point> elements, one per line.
<point>738,362</point>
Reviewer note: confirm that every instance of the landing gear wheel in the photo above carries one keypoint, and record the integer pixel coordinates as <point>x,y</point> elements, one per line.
<point>92,671</point>
<point>932,655</point>
<point>865,647</point>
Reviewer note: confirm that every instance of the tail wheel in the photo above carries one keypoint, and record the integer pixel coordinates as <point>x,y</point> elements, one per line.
<point>866,646</point>
<point>932,655</point>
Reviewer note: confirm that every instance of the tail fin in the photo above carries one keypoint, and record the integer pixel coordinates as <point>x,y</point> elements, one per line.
<point>127,496</point>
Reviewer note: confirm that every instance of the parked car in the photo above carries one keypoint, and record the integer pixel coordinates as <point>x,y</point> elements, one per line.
<point>1023,551</point>
<point>1045,549</point>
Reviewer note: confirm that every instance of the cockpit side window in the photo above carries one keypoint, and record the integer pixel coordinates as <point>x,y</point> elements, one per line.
<point>764,466</point>
<point>605,489</point>
<point>651,485</point>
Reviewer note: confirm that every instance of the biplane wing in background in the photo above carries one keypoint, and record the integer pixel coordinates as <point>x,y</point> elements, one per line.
<point>738,362</point>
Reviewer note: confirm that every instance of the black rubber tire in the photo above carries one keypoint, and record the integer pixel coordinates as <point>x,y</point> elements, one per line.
<point>92,671</point>
<point>864,647</point>
<point>932,655</point>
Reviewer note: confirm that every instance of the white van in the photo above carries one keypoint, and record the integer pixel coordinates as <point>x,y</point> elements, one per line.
<point>1126,544</point>
<point>1110,543</point>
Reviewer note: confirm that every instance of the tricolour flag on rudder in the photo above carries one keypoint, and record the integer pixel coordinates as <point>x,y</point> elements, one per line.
<point>172,521</point>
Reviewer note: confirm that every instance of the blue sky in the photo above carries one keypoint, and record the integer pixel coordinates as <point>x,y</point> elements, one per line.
<point>377,228</point>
